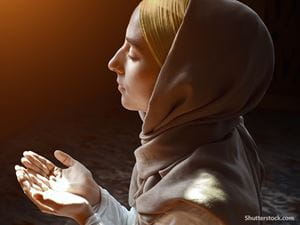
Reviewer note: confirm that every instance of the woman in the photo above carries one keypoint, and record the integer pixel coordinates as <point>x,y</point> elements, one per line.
<point>191,69</point>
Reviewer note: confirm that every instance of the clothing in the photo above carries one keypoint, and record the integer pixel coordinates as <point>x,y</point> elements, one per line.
<point>111,212</point>
<point>196,151</point>
<point>159,22</point>
<point>197,163</point>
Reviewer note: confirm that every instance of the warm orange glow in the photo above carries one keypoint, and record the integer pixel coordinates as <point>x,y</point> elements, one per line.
<point>54,54</point>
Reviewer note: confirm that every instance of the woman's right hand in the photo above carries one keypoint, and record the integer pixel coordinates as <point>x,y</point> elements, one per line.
<point>75,179</point>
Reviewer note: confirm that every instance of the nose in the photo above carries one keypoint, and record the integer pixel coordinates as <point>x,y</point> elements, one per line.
<point>115,64</point>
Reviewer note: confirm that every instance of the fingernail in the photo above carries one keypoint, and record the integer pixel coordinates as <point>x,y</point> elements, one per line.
<point>17,167</point>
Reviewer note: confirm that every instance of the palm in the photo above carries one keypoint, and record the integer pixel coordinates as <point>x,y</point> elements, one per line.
<point>50,201</point>
<point>76,179</point>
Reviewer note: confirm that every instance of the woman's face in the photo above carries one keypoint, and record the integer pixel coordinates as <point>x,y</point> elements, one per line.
<point>135,67</point>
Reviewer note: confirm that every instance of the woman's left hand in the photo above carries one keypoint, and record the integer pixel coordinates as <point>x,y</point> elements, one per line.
<point>53,202</point>
<point>75,179</point>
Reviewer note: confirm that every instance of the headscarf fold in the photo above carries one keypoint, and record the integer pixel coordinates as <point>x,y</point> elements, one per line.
<point>195,147</point>
<point>160,21</point>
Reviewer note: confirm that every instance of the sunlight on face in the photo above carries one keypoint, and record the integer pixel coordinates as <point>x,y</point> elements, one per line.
<point>135,67</point>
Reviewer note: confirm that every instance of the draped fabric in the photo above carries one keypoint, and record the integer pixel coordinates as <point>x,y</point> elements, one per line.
<point>160,21</point>
<point>195,148</point>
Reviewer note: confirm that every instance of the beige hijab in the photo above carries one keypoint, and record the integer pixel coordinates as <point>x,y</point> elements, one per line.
<point>195,148</point>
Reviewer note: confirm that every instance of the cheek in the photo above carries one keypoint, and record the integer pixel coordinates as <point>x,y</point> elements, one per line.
<point>140,83</point>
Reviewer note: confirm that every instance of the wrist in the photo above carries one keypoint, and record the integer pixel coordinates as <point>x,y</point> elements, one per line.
<point>83,214</point>
<point>96,197</point>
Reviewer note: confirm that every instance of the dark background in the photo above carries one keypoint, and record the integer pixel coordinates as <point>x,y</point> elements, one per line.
<point>53,54</point>
<point>56,92</point>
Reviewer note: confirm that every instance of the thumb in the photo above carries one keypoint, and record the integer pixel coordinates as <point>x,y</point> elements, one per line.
<point>64,158</point>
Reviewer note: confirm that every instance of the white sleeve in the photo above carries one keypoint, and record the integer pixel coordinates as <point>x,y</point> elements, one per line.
<point>111,212</point>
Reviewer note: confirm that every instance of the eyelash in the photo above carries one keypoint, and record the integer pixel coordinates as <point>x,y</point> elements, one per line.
<point>133,58</point>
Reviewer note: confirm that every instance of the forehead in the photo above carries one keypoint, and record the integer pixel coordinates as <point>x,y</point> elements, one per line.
<point>133,33</point>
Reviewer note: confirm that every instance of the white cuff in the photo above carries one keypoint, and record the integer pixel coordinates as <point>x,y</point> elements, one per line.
<point>94,220</point>
<point>111,212</point>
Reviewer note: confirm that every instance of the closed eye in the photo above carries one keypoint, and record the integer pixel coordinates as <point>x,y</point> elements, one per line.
<point>132,55</point>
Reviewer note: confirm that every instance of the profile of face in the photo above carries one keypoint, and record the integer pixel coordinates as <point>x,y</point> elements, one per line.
<point>135,67</point>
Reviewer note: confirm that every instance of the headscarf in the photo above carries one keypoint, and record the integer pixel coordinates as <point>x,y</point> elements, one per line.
<point>160,21</point>
<point>195,147</point>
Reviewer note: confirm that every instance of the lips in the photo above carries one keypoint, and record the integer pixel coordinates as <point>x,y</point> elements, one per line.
<point>121,88</point>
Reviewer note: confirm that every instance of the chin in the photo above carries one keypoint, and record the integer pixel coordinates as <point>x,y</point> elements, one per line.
<point>128,105</point>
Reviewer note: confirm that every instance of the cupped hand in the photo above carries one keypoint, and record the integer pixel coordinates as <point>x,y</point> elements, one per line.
<point>75,179</point>
<point>51,201</point>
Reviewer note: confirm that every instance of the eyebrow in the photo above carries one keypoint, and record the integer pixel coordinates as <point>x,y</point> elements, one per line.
<point>134,42</point>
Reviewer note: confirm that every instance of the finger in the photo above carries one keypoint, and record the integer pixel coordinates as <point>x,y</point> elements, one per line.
<point>23,181</point>
<point>22,177</point>
<point>32,166</point>
<point>18,167</point>
<point>39,181</point>
<point>43,179</point>
<point>47,202</point>
<point>57,172</point>
<point>35,177</point>
<point>29,163</point>
<point>50,165</point>
<point>29,191</point>
<point>42,207</point>
<point>36,187</point>
<point>39,161</point>
<point>26,181</point>
<point>64,158</point>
